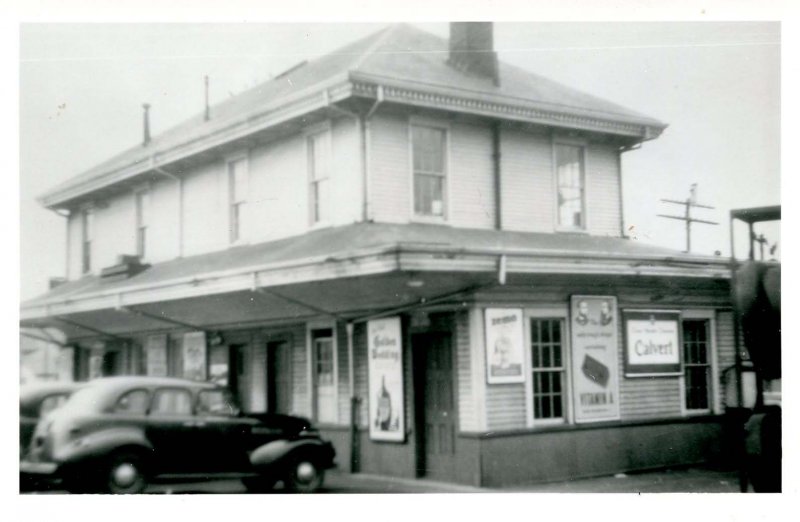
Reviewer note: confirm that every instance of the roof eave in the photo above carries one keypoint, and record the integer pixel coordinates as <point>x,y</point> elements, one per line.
<point>421,94</point>
<point>279,111</point>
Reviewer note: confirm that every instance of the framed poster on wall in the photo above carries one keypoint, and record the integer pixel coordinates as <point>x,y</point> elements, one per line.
<point>652,343</point>
<point>504,345</point>
<point>194,356</point>
<point>157,355</point>
<point>595,358</point>
<point>385,367</point>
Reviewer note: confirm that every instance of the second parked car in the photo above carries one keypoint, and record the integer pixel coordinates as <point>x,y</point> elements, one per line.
<point>117,434</point>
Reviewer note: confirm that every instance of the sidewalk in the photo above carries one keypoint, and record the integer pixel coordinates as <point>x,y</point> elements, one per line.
<point>685,480</point>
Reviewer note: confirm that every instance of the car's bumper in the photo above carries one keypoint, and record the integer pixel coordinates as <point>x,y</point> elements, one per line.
<point>47,469</point>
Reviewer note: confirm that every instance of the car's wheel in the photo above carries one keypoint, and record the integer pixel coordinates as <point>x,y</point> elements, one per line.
<point>125,474</point>
<point>304,476</point>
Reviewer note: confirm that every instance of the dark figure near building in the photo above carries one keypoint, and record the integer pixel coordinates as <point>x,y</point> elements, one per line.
<point>763,446</point>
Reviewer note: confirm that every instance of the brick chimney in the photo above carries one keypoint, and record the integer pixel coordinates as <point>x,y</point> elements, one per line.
<point>472,49</point>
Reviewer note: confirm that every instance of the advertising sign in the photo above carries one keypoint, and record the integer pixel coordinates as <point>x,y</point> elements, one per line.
<point>157,355</point>
<point>194,356</point>
<point>385,366</point>
<point>652,343</point>
<point>504,345</point>
<point>595,359</point>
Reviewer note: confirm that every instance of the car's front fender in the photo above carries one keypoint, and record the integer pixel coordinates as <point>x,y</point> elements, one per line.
<point>278,452</point>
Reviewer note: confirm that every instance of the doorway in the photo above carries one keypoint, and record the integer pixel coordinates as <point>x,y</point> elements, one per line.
<point>434,405</point>
<point>237,378</point>
<point>279,377</point>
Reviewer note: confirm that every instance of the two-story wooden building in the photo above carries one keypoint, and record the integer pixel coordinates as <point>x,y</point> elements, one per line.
<point>420,248</point>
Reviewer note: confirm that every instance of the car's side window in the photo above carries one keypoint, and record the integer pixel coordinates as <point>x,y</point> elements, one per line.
<point>51,403</point>
<point>216,403</point>
<point>171,402</point>
<point>134,401</point>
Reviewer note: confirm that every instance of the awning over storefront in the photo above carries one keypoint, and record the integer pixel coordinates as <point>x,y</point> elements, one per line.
<point>344,272</point>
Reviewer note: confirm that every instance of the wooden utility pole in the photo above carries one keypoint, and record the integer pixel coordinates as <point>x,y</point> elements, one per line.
<point>687,216</point>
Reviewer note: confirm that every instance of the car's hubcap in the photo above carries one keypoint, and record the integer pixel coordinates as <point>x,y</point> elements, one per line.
<point>125,474</point>
<point>306,472</point>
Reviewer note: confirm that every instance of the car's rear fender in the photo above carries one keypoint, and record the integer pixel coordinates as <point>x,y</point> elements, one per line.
<point>277,453</point>
<point>101,443</point>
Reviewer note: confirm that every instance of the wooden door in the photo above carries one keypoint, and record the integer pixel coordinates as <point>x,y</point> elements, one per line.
<point>279,378</point>
<point>438,415</point>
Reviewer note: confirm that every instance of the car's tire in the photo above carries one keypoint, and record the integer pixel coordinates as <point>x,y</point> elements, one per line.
<point>125,473</point>
<point>304,475</point>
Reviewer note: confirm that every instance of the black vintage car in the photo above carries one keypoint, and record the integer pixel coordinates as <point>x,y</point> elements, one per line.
<point>117,434</point>
<point>37,400</point>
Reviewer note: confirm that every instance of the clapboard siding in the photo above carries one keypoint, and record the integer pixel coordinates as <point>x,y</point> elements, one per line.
<point>389,169</point>
<point>471,177</point>
<point>527,194</point>
<point>343,370</point>
<point>163,231</point>
<point>74,247</point>
<point>204,201</point>
<point>361,380</point>
<point>726,351</point>
<point>467,416</point>
<point>505,406</point>
<point>301,402</point>
<point>114,231</point>
<point>603,205</point>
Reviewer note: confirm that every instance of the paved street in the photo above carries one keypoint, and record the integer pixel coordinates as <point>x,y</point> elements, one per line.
<point>690,480</point>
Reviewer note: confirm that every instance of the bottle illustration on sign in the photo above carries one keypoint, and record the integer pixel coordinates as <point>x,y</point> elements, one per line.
<point>383,417</point>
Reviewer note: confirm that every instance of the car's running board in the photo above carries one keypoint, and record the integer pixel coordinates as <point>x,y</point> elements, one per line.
<point>200,477</point>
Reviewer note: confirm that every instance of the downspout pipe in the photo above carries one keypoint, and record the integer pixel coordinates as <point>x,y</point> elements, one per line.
<point>362,121</point>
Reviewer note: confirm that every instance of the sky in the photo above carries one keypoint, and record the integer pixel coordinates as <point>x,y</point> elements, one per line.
<point>717,85</point>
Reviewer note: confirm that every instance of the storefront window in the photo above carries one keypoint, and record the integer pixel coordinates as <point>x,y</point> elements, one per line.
<point>696,364</point>
<point>547,363</point>
<point>324,374</point>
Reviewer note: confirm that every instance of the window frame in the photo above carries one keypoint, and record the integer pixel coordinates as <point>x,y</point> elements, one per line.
<point>311,357</point>
<point>141,228</point>
<point>548,313</point>
<point>325,131</point>
<point>584,157</point>
<point>146,411</point>
<point>417,121</point>
<point>237,210</point>
<point>88,217</point>
<point>714,400</point>
<point>162,389</point>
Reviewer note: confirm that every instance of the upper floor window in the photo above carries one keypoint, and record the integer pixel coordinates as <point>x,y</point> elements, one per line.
<point>319,152</point>
<point>697,364</point>
<point>237,179</point>
<point>142,221</point>
<point>430,170</point>
<point>570,186</point>
<point>87,232</point>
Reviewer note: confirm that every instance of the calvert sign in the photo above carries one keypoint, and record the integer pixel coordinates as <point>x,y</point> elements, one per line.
<point>595,358</point>
<point>652,343</point>
<point>385,367</point>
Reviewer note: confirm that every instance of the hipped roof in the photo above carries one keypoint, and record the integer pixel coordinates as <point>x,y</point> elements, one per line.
<point>399,53</point>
